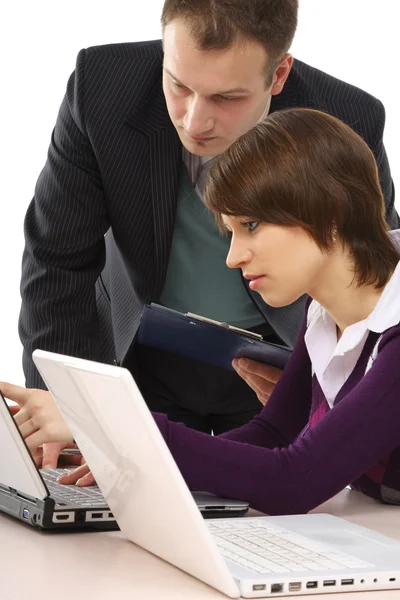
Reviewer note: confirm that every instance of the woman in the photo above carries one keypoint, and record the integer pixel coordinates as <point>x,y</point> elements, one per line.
<point>300,196</point>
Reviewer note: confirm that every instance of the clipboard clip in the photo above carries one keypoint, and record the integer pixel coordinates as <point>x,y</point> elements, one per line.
<point>250,334</point>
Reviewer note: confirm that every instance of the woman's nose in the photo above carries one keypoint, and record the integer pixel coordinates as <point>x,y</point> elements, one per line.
<point>238,255</point>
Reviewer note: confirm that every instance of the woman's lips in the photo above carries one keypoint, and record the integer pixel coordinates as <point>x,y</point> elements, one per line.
<point>255,281</point>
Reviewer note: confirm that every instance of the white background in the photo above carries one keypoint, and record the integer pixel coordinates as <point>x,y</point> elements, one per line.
<point>351,39</point>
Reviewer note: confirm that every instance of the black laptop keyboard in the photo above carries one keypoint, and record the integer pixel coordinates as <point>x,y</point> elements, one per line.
<point>63,495</point>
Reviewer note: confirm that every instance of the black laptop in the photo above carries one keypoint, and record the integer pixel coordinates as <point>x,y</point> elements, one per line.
<point>35,497</point>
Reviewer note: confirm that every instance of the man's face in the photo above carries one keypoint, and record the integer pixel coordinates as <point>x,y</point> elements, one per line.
<point>214,96</point>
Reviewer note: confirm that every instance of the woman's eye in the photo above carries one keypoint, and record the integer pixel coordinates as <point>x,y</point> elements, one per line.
<point>251,225</point>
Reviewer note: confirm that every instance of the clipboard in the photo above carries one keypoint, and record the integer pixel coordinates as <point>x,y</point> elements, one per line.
<point>204,339</point>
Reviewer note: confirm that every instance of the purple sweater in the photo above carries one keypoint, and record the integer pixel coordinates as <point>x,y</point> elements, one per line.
<point>298,453</point>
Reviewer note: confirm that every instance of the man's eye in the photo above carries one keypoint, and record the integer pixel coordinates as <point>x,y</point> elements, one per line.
<point>178,85</point>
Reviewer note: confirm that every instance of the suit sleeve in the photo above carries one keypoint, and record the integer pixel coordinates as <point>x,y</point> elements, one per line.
<point>64,241</point>
<point>385,176</point>
<point>352,437</point>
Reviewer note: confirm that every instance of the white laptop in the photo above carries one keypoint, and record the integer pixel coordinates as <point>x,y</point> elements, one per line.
<point>252,557</point>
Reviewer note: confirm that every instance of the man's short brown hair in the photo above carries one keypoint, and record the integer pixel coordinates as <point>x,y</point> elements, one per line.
<point>302,167</point>
<point>219,24</point>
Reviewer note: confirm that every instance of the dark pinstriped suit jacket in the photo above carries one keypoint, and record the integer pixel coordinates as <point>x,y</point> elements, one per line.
<point>113,168</point>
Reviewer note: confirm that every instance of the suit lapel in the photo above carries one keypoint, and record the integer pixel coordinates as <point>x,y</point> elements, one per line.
<point>165,165</point>
<point>165,157</point>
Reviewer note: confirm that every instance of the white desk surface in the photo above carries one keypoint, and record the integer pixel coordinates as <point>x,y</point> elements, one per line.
<point>74,566</point>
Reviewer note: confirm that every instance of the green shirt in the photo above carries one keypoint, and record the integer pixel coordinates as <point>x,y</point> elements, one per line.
<point>198,279</point>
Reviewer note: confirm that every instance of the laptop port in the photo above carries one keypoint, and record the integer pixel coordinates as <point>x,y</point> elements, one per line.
<point>392,579</point>
<point>329,582</point>
<point>259,587</point>
<point>65,517</point>
<point>311,584</point>
<point>97,515</point>
<point>347,581</point>
<point>276,588</point>
<point>295,586</point>
<point>25,513</point>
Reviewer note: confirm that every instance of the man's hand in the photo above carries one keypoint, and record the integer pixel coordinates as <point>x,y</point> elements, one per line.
<point>260,377</point>
<point>81,476</point>
<point>39,419</point>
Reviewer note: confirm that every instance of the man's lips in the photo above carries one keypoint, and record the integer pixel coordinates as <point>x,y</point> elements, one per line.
<point>201,139</point>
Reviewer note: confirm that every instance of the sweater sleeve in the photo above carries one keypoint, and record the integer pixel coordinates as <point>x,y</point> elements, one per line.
<point>345,443</point>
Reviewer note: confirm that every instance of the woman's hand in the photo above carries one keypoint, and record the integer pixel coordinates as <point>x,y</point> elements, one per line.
<point>260,377</point>
<point>81,476</point>
<point>38,418</point>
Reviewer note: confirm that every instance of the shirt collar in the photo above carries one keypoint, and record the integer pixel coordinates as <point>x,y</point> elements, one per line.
<point>386,314</point>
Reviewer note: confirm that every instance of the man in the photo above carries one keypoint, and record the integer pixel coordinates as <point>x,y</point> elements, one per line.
<point>118,220</point>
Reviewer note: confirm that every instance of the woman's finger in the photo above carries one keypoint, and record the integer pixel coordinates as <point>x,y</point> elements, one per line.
<point>88,479</point>
<point>51,453</point>
<point>21,417</point>
<point>27,428</point>
<point>37,457</point>
<point>34,441</point>
<point>262,388</point>
<point>18,394</point>
<point>73,476</point>
<point>266,372</point>
<point>258,384</point>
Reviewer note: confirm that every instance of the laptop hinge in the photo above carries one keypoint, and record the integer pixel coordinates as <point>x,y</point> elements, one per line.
<point>47,501</point>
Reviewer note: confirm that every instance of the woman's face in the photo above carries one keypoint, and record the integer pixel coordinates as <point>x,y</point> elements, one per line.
<point>282,263</point>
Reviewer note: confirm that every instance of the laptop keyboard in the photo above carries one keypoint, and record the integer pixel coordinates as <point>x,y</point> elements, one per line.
<point>85,497</point>
<point>265,548</point>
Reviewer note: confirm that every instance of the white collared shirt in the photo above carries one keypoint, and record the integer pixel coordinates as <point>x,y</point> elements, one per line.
<point>333,361</point>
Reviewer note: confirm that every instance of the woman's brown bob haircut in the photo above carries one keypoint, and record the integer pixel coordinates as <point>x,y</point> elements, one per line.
<point>219,24</point>
<point>302,167</point>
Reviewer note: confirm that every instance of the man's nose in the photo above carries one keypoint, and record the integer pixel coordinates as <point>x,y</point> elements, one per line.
<point>198,119</point>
